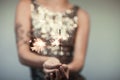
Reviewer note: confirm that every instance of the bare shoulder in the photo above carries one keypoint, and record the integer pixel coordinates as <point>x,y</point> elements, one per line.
<point>83,14</point>
<point>83,19</point>
<point>24,4</point>
<point>23,8</point>
<point>25,1</point>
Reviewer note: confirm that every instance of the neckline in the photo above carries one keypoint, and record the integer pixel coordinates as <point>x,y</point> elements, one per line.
<point>69,10</point>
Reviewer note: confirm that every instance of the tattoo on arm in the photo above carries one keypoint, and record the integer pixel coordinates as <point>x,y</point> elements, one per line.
<point>22,35</point>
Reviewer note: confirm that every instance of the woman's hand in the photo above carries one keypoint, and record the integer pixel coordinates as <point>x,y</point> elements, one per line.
<point>61,73</point>
<point>64,72</point>
<point>51,63</point>
<point>55,70</point>
<point>50,68</point>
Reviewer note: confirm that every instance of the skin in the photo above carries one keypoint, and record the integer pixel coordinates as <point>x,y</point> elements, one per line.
<point>51,64</point>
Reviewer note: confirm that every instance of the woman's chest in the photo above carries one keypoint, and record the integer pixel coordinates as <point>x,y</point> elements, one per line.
<point>48,25</point>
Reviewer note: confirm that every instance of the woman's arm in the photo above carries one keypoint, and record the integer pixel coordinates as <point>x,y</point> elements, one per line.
<point>81,42</point>
<point>22,29</point>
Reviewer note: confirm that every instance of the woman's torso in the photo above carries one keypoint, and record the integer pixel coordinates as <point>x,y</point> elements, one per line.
<point>53,33</point>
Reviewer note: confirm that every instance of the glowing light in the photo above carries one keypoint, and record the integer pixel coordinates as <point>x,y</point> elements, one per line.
<point>38,45</point>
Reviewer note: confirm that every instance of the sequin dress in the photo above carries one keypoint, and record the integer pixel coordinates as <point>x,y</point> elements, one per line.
<point>53,34</point>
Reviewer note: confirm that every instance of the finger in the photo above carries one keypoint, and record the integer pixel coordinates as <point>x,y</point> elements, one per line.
<point>51,76</point>
<point>65,66</point>
<point>64,73</point>
<point>66,69</point>
<point>57,75</point>
<point>47,71</point>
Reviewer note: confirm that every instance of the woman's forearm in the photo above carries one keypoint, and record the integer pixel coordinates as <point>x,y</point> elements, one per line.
<point>33,60</point>
<point>29,58</point>
<point>81,41</point>
<point>77,63</point>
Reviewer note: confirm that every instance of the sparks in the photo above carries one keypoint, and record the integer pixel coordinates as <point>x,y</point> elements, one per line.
<point>38,45</point>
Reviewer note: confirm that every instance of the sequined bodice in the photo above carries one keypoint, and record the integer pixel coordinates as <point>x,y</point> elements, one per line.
<point>53,32</point>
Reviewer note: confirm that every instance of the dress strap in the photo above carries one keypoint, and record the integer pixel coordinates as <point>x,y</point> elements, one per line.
<point>35,5</point>
<point>75,10</point>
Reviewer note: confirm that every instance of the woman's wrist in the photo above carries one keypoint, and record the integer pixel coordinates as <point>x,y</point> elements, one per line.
<point>73,69</point>
<point>70,67</point>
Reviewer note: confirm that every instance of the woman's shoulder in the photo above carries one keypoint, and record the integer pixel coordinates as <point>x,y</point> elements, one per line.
<point>25,0</point>
<point>82,13</point>
<point>23,8</point>
<point>24,3</point>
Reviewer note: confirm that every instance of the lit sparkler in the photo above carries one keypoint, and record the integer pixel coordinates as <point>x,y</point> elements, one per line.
<point>38,45</point>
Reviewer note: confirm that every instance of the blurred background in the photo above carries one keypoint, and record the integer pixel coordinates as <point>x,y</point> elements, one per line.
<point>103,54</point>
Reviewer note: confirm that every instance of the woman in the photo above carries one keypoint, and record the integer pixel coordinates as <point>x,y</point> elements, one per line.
<point>52,37</point>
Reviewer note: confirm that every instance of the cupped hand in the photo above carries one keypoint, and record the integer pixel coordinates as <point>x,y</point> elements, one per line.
<point>54,70</point>
<point>51,65</point>
<point>64,72</point>
<point>61,73</point>
<point>50,68</point>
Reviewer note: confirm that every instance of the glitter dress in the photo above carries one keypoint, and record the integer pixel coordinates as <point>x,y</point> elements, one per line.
<point>53,34</point>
